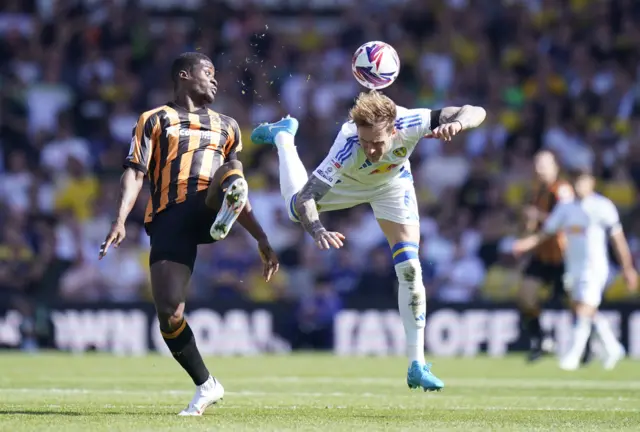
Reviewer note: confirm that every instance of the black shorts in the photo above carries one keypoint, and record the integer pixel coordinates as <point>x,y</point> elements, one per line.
<point>547,273</point>
<point>177,231</point>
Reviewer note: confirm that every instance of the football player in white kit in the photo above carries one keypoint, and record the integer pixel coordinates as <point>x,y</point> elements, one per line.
<point>369,164</point>
<point>588,220</point>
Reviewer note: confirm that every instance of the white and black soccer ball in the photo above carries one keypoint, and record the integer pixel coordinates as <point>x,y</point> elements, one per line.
<point>375,65</point>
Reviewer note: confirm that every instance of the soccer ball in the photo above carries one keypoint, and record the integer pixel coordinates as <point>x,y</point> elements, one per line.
<point>375,65</point>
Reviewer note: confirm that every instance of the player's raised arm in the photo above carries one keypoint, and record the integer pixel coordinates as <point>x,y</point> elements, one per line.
<point>449,121</point>
<point>136,166</point>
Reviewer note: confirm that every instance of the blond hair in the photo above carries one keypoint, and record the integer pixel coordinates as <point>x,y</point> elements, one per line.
<point>373,108</point>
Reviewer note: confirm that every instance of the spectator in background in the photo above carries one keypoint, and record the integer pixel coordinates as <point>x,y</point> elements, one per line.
<point>73,72</point>
<point>315,317</point>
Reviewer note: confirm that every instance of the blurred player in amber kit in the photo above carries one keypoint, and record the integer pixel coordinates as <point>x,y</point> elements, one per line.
<point>198,191</point>
<point>546,263</point>
<point>588,221</point>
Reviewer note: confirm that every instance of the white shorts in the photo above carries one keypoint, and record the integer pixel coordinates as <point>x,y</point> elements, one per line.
<point>587,289</point>
<point>395,201</point>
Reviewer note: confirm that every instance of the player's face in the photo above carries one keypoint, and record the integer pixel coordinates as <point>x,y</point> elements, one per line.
<point>546,167</point>
<point>203,80</point>
<point>584,185</point>
<point>375,141</point>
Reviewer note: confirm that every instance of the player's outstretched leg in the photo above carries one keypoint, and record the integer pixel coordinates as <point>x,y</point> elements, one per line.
<point>169,282</point>
<point>293,174</point>
<point>229,193</point>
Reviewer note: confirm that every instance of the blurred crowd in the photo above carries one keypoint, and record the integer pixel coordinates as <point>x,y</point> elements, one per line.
<point>557,74</point>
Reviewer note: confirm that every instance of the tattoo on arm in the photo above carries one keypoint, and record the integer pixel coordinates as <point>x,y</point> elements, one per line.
<point>469,116</point>
<point>305,205</point>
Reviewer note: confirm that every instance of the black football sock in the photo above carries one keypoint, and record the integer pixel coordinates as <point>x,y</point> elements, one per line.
<point>531,324</point>
<point>231,176</point>
<point>183,347</point>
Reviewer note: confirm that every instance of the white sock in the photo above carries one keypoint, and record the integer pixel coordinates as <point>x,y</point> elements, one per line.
<point>580,336</point>
<point>605,333</point>
<point>412,304</point>
<point>293,174</point>
<point>209,384</point>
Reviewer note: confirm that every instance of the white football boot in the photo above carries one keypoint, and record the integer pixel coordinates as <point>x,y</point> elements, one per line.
<point>611,359</point>
<point>235,198</point>
<point>207,394</point>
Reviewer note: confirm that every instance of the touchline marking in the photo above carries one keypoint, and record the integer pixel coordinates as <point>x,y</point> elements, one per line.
<point>385,381</point>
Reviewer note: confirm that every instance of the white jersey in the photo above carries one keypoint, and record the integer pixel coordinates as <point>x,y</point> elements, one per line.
<point>587,224</point>
<point>347,164</point>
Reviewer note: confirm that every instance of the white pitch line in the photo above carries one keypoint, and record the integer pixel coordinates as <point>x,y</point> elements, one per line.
<point>449,382</point>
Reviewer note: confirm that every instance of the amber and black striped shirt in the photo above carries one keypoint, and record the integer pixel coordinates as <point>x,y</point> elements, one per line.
<point>544,199</point>
<point>176,149</point>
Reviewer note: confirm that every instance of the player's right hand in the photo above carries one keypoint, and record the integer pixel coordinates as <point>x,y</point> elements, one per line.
<point>329,239</point>
<point>115,237</point>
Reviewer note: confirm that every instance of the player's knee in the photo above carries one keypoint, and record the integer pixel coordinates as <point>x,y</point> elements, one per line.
<point>225,175</point>
<point>583,309</point>
<point>528,293</point>
<point>170,315</point>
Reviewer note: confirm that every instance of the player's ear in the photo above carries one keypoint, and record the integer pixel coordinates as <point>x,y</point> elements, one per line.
<point>184,74</point>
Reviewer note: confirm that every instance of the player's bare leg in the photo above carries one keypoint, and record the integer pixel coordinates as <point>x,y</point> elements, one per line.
<point>169,281</point>
<point>228,193</point>
<point>529,305</point>
<point>404,241</point>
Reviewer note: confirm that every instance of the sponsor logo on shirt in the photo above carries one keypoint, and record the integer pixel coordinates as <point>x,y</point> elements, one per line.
<point>324,175</point>
<point>384,169</point>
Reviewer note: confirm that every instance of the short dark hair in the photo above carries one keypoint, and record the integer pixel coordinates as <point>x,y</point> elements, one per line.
<point>186,61</point>
<point>579,171</point>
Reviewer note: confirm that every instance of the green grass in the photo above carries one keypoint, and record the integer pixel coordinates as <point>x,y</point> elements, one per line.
<point>313,392</point>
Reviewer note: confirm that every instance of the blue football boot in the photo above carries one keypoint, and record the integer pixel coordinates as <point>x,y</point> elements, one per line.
<point>419,375</point>
<point>266,132</point>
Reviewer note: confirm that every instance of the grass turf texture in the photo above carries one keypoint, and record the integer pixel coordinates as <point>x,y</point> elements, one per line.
<point>313,392</point>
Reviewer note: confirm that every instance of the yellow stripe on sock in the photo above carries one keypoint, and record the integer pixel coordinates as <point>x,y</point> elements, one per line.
<point>176,332</point>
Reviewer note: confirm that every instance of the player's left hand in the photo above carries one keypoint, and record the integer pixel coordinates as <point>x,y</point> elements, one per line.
<point>446,131</point>
<point>269,259</point>
<point>115,237</point>
<point>631,279</point>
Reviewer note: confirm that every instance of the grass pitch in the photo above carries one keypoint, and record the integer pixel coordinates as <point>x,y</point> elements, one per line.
<point>313,392</point>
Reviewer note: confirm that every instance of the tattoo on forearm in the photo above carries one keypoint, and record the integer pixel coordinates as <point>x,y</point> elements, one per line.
<point>305,205</point>
<point>469,116</point>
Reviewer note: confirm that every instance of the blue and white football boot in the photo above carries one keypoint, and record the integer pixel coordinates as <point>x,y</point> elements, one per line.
<point>266,132</point>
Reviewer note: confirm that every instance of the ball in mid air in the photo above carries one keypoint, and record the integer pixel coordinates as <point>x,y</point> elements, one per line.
<point>375,65</point>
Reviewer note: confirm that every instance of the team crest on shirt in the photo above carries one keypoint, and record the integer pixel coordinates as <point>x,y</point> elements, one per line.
<point>400,152</point>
